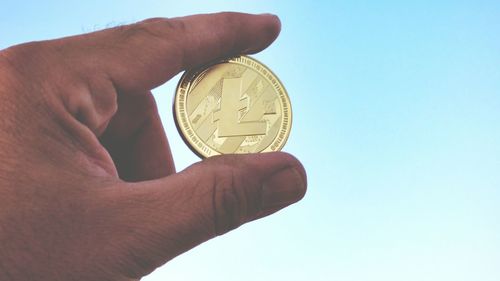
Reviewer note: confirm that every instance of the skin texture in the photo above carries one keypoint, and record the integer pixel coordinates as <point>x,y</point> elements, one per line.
<point>88,188</point>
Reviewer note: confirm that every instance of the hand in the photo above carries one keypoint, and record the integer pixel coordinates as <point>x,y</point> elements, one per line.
<point>88,188</point>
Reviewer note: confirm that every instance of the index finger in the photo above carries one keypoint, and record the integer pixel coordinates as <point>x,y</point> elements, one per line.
<point>141,56</point>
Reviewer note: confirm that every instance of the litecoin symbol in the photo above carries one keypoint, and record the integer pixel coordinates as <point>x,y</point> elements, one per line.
<point>230,117</point>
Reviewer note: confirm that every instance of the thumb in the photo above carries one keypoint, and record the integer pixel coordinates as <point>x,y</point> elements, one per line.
<point>225,192</point>
<point>172,215</point>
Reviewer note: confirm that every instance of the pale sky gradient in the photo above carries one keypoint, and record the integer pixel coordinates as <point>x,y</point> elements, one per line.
<point>396,118</point>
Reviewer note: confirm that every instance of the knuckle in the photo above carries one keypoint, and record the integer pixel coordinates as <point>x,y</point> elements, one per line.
<point>103,95</point>
<point>158,28</point>
<point>229,199</point>
<point>176,25</point>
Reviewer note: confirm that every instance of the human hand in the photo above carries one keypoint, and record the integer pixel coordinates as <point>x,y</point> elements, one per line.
<point>88,188</point>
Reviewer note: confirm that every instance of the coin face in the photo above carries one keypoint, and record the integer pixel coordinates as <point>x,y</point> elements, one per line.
<point>235,105</point>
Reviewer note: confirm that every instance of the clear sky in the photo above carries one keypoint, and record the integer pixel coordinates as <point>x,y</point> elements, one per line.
<point>396,118</point>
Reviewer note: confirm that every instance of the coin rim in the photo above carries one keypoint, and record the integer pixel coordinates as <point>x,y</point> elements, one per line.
<point>193,73</point>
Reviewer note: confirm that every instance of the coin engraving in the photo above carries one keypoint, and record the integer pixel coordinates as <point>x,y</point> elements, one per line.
<point>232,106</point>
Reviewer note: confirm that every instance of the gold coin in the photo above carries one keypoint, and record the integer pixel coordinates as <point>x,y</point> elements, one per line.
<point>235,105</point>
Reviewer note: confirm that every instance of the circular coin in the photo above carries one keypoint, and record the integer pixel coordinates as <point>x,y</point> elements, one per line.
<point>235,105</point>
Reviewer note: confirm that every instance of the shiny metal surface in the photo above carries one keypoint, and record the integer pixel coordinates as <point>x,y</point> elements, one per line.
<point>236,105</point>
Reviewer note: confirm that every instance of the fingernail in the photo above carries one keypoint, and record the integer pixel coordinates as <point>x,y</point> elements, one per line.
<point>268,14</point>
<point>282,189</point>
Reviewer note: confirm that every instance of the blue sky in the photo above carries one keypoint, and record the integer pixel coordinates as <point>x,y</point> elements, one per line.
<point>396,118</point>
